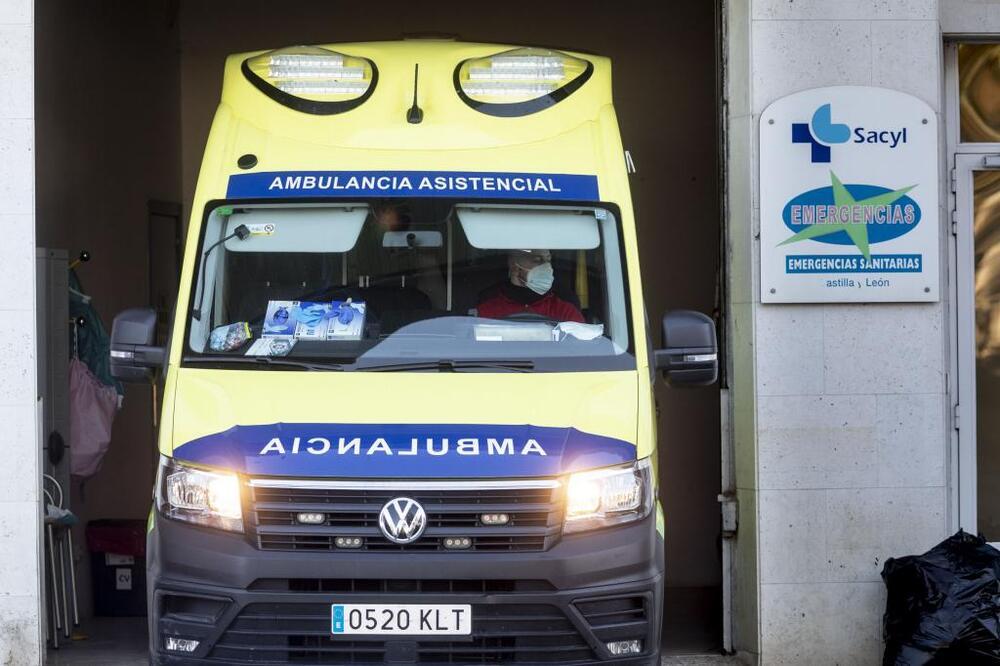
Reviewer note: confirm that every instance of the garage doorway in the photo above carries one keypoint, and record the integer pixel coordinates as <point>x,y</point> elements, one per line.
<point>125,94</point>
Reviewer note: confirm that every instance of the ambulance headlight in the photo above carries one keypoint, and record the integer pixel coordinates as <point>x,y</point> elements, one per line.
<point>199,496</point>
<point>519,82</point>
<point>608,496</point>
<point>312,79</point>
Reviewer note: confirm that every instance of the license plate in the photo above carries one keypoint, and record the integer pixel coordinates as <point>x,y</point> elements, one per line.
<point>401,619</point>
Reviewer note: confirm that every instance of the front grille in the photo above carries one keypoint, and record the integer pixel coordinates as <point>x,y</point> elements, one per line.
<point>535,516</point>
<point>400,585</point>
<point>502,634</point>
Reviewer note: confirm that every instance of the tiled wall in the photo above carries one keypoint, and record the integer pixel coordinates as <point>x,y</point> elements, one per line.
<point>850,405</point>
<point>20,635</point>
<point>970,16</point>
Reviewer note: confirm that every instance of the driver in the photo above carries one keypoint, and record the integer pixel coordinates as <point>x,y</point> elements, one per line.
<point>528,290</point>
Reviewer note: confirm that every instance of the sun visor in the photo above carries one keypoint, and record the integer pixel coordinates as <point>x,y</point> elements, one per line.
<point>502,228</point>
<point>321,229</point>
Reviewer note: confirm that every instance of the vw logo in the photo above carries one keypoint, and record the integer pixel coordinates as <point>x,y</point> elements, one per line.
<point>402,520</point>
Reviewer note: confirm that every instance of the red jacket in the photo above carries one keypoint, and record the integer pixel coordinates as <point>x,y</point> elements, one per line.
<point>499,305</point>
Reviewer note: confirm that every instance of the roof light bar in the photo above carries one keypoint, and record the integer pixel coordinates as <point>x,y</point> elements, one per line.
<point>330,59</point>
<point>498,88</point>
<point>312,79</point>
<point>510,73</point>
<point>519,82</point>
<point>312,72</point>
<point>322,87</point>
<point>518,61</point>
<point>521,67</point>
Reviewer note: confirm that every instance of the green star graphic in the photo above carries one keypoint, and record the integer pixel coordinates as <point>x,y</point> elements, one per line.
<point>857,231</point>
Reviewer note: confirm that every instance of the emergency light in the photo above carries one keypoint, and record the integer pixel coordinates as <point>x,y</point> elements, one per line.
<point>520,81</point>
<point>312,79</point>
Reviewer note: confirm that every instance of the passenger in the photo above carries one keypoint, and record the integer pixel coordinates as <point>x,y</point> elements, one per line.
<point>369,255</point>
<point>412,267</point>
<point>529,289</point>
<point>391,217</point>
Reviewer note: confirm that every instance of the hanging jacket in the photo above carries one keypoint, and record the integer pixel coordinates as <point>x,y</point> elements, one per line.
<point>93,345</point>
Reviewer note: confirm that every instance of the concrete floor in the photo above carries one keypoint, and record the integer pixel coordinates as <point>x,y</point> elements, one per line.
<point>110,640</point>
<point>122,642</point>
<point>692,620</point>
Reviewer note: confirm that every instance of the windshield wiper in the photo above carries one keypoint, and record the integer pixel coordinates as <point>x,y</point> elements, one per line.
<point>264,361</point>
<point>450,365</point>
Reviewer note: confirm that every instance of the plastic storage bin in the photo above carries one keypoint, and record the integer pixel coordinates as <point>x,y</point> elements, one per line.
<point>118,566</point>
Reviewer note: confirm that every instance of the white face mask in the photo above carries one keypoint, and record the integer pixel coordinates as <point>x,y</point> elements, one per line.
<point>540,278</point>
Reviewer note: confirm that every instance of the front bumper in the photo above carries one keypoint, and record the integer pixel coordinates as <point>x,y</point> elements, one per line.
<point>560,606</point>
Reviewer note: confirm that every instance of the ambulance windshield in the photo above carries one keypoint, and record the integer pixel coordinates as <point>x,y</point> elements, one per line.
<point>411,284</point>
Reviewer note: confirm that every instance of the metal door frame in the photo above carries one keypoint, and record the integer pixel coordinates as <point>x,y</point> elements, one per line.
<point>963,160</point>
<point>966,165</point>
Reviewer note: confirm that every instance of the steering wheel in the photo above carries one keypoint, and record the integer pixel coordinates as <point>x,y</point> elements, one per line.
<point>530,316</point>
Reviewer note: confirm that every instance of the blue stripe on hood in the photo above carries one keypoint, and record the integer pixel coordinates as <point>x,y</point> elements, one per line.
<point>405,450</point>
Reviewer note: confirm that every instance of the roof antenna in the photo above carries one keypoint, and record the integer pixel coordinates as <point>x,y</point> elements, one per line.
<point>415,114</point>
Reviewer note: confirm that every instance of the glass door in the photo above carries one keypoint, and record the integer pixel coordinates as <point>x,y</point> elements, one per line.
<point>977,234</point>
<point>973,109</point>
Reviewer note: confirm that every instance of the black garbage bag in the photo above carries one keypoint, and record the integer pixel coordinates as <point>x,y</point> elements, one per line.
<point>943,607</point>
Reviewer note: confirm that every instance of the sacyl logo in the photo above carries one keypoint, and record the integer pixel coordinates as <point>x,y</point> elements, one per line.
<point>402,520</point>
<point>821,133</point>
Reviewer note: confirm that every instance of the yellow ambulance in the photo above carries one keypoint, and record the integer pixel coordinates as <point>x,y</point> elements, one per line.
<point>407,398</point>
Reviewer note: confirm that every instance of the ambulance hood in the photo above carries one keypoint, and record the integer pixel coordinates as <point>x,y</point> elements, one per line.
<point>404,425</point>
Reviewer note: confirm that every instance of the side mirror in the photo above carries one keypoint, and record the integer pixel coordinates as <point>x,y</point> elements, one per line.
<point>690,356</point>
<point>133,356</point>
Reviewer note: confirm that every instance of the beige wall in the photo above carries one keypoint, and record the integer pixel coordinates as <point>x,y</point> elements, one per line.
<point>664,82</point>
<point>108,139</point>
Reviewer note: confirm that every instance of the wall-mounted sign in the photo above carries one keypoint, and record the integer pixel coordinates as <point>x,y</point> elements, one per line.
<point>848,197</point>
